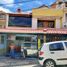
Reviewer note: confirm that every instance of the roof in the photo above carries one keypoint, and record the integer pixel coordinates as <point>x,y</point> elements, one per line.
<point>43,6</point>
<point>19,14</point>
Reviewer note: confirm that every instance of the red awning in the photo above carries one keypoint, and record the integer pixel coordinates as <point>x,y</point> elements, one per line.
<point>34,31</point>
<point>56,31</point>
<point>21,30</point>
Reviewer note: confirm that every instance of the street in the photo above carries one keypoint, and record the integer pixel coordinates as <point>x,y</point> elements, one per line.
<point>28,62</point>
<point>35,65</point>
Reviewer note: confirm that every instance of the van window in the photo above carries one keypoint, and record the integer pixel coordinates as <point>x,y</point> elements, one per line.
<point>56,47</point>
<point>65,44</point>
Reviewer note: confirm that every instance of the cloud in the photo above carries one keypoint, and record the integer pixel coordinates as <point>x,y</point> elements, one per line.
<point>5,10</point>
<point>7,2</point>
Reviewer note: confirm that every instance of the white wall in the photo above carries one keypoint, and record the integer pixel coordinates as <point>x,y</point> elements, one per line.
<point>57,23</point>
<point>63,20</point>
<point>60,6</point>
<point>7,20</point>
<point>34,23</point>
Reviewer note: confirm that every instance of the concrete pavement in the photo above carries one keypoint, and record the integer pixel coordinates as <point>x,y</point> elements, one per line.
<point>28,62</point>
<point>34,65</point>
<point>9,62</point>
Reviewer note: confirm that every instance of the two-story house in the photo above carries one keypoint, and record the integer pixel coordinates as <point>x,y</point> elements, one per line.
<point>18,28</point>
<point>62,4</point>
<point>31,30</point>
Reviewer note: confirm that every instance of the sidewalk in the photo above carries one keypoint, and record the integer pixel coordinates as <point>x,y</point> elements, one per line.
<point>8,62</point>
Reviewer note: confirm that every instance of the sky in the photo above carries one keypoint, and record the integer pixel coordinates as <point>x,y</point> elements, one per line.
<point>25,5</point>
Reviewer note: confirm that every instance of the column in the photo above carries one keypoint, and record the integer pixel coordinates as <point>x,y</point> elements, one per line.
<point>7,20</point>
<point>57,23</point>
<point>34,23</point>
<point>63,21</point>
<point>44,38</point>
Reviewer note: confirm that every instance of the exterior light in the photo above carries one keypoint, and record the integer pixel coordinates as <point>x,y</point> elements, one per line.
<point>45,30</point>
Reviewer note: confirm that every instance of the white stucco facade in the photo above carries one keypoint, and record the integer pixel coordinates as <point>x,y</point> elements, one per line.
<point>34,23</point>
<point>57,23</point>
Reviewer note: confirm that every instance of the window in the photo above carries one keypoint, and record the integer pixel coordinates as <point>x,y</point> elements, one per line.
<point>27,45</point>
<point>20,21</point>
<point>40,24</point>
<point>56,47</point>
<point>2,16</point>
<point>46,23</point>
<point>20,38</point>
<point>59,5</point>
<point>27,39</point>
<point>65,44</point>
<point>66,17</point>
<point>1,39</point>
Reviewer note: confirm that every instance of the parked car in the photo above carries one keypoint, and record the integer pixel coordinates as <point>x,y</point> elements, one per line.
<point>53,54</point>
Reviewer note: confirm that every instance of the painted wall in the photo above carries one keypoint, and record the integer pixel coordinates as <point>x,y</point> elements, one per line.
<point>2,20</point>
<point>47,12</point>
<point>34,23</point>
<point>58,23</point>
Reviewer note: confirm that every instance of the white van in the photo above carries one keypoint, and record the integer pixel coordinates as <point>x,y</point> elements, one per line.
<point>53,53</point>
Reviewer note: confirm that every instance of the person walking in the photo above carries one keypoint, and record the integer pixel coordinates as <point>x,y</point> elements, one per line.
<point>12,50</point>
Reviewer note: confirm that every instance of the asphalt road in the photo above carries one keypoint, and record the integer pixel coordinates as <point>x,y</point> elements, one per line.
<point>35,65</point>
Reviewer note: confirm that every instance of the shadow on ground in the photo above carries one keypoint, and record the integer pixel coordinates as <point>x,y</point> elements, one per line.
<point>9,62</point>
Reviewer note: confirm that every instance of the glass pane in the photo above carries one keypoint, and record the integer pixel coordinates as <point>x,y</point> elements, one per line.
<point>20,38</point>
<point>27,45</point>
<point>56,46</point>
<point>65,44</point>
<point>2,39</point>
<point>2,16</point>
<point>20,21</point>
<point>27,39</point>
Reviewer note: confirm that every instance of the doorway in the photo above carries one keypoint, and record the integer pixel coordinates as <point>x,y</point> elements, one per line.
<point>2,45</point>
<point>28,42</point>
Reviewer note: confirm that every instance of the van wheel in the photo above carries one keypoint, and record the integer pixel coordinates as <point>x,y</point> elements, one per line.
<point>49,63</point>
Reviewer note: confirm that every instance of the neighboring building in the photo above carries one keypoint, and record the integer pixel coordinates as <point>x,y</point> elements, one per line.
<point>52,20</point>
<point>62,4</point>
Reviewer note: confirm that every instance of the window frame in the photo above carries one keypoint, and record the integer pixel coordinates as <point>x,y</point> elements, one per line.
<point>2,16</point>
<point>12,18</point>
<point>56,47</point>
<point>42,23</point>
<point>65,44</point>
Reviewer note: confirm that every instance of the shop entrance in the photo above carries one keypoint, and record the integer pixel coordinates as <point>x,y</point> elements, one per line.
<point>27,42</point>
<point>2,45</point>
<point>55,37</point>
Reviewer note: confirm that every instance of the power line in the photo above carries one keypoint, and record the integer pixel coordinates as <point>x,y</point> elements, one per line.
<point>18,2</point>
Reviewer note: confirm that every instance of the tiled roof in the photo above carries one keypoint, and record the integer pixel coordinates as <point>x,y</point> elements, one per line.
<point>34,31</point>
